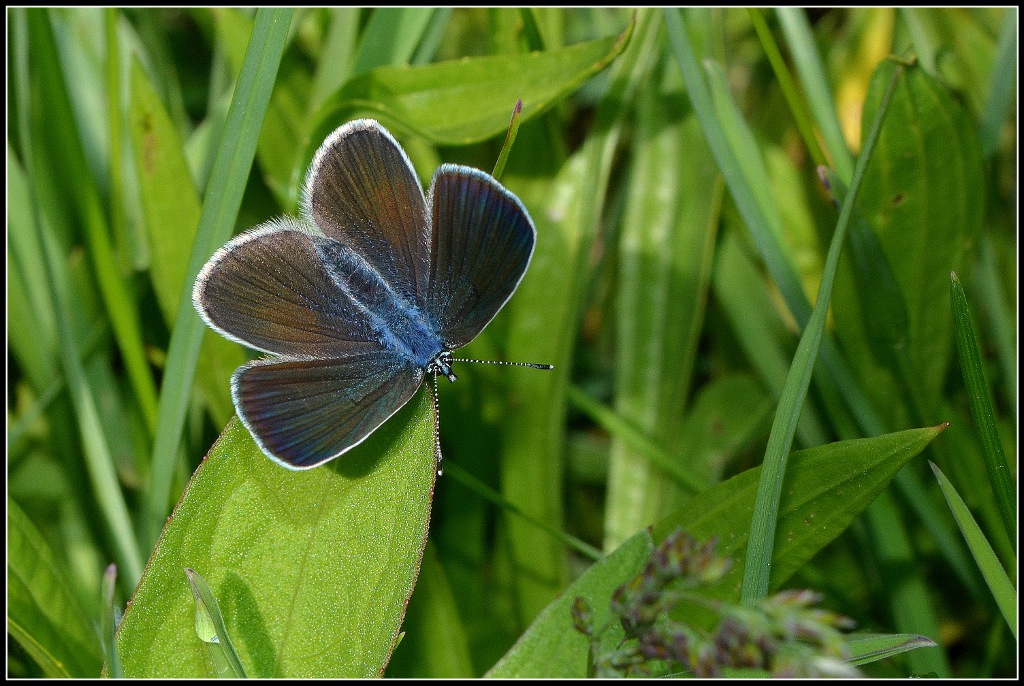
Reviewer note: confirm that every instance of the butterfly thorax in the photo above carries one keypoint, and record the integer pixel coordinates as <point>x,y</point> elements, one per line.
<point>382,311</point>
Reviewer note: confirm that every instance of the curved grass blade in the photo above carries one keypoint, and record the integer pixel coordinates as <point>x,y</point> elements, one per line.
<point>786,83</point>
<point>811,71</point>
<point>865,648</point>
<point>220,207</point>
<point>34,24</point>
<point>62,129</point>
<point>211,630</point>
<point>762,533</point>
<point>995,576</point>
<point>980,399</point>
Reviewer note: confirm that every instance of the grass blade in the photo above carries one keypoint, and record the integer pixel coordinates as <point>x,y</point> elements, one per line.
<point>998,582</point>
<point>220,207</point>
<point>979,396</point>
<point>762,534</point>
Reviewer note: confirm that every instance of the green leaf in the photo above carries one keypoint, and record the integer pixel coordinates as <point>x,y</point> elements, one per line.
<point>825,488</point>
<point>463,101</point>
<point>43,615</point>
<point>551,647</point>
<point>172,210</point>
<point>312,569</point>
<point>996,578</point>
<point>923,196</point>
<point>867,648</point>
<point>666,249</point>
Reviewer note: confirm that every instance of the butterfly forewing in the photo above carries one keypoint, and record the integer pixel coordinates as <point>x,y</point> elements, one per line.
<point>268,289</point>
<point>481,244</point>
<point>362,191</point>
<point>305,412</point>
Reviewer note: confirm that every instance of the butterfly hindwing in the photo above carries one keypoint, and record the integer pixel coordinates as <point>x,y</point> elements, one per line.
<point>303,413</point>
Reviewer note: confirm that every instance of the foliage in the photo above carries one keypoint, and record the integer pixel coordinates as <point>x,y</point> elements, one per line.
<point>672,162</point>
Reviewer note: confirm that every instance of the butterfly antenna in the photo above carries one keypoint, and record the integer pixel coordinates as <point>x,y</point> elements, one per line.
<point>532,365</point>
<point>437,425</point>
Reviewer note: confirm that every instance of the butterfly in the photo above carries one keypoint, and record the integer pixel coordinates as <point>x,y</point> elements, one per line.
<point>364,296</point>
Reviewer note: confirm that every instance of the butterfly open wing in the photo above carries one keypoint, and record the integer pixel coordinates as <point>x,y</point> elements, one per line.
<point>268,289</point>
<point>362,191</point>
<point>481,244</point>
<point>303,413</point>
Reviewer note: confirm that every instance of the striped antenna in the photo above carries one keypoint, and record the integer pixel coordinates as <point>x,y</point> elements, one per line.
<point>532,365</point>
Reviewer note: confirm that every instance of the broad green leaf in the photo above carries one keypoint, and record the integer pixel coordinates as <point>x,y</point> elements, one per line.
<point>923,196</point>
<point>867,648</point>
<point>551,647</point>
<point>825,488</point>
<point>666,249</point>
<point>312,569</point>
<point>172,210</point>
<point>462,101</point>
<point>43,615</point>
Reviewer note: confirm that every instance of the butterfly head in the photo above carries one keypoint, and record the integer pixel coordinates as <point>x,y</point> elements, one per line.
<point>442,364</point>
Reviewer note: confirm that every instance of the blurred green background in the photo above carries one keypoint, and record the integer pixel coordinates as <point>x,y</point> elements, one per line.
<point>671,323</point>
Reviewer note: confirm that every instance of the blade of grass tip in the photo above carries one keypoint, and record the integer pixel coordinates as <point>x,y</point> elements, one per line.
<point>485,491</point>
<point>220,209</point>
<point>510,138</point>
<point>1004,80</point>
<point>995,576</point>
<point>110,621</point>
<point>757,571</point>
<point>211,630</point>
<point>980,400</point>
<point>789,90</point>
<point>800,40</point>
<point>99,463</point>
